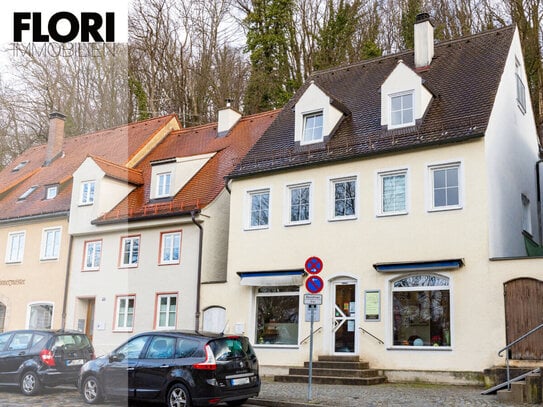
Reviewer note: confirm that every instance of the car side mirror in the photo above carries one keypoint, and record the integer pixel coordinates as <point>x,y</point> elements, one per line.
<point>116,357</point>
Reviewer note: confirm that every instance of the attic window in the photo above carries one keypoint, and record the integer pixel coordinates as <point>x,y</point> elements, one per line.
<point>312,132</point>
<point>28,192</point>
<point>164,181</point>
<point>401,110</point>
<point>51,191</point>
<point>19,166</point>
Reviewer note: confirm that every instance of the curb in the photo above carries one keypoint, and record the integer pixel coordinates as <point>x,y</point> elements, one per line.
<point>272,403</point>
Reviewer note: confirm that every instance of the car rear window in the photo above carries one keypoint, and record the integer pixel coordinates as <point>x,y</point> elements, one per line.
<point>72,341</point>
<point>188,348</point>
<point>231,348</point>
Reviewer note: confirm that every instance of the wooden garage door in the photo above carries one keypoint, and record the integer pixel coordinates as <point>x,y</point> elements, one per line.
<point>523,312</point>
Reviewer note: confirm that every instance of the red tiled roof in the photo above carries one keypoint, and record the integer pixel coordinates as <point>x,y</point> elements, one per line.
<point>207,183</point>
<point>116,145</point>
<point>119,172</point>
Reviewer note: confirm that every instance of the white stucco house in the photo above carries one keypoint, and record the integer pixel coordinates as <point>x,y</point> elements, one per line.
<point>412,177</point>
<point>147,235</point>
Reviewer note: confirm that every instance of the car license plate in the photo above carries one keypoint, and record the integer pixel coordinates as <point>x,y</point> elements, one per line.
<point>240,381</point>
<point>75,362</point>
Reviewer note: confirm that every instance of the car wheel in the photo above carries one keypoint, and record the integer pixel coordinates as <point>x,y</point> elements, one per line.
<point>91,391</point>
<point>236,402</point>
<point>178,396</point>
<point>30,383</point>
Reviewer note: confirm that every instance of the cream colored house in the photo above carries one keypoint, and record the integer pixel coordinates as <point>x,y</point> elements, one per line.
<point>411,177</point>
<point>154,233</point>
<point>35,193</point>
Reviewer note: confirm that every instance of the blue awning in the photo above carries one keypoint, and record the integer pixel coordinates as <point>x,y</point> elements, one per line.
<point>404,267</point>
<point>272,278</point>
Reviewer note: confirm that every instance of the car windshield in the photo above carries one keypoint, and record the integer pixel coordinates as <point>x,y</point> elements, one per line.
<point>231,348</point>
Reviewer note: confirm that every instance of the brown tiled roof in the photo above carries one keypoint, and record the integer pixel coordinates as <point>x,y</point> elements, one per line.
<point>207,183</point>
<point>116,145</point>
<point>463,78</point>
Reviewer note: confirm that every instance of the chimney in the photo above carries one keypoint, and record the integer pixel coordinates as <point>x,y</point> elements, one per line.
<point>55,138</point>
<point>228,117</point>
<point>424,41</point>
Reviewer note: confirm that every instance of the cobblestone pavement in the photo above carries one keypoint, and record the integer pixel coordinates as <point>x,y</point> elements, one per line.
<point>295,394</point>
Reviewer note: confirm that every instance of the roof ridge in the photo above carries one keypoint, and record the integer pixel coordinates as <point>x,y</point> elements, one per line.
<point>406,52</point>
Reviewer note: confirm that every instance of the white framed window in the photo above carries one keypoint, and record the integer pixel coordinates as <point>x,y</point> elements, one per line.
<point>299,204</point>
<point>130,249</point>
<point>312,127</point>
<point>40,315</point>
<point>166,311</point>
<point>19,166</point>
<point>277,315</point>
<point>163,188</point>
<point>259,209</point>
<point>93,255</point>
<point>445,186</point>
<point>344,198</point>
<point>50,243</point>
<point>51,191</point>
<point>521,89</point>
<point>124,312</point>
<point>170,247</point>
<point>15,247</point>
<point>393,193</point>
<point>402,111</point>
<point>421,311</point>
<point>86,195</point>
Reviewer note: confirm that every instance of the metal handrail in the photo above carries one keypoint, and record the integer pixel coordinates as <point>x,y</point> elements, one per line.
<point>308,336</point>
<point>507,347</point>
<point>372,335</point>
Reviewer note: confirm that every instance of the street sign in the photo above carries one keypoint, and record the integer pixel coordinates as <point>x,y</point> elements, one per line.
<point>314,284</point>
<point>313,299</point>
<point>313,265</point>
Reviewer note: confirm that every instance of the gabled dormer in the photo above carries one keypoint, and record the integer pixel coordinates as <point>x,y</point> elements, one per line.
<point>316,116</point>
<point>404,98</point>
<point>168,176</point>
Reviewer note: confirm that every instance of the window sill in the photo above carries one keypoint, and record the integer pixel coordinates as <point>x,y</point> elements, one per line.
<point>446,208</point>
<point>264,227</point>
<point>422,348</point>
<point>386,215</point>
<point>90,270</point>
<point>120,330</point>
<point>85,204</point>
<point>272,346</point>
<point>128,266</point>
<point>173,263</point>
<point>343,218</point>
<point>305,222</point>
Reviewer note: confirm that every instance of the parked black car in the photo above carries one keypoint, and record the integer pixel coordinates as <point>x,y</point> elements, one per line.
<point>177,368</point>
<point>32,359</point>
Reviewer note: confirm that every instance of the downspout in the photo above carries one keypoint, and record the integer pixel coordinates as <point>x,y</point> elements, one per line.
<point>199,279</point>
<point>66,282</point>
<point>538,178</point>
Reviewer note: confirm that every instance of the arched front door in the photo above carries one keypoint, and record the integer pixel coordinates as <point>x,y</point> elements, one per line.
<point>344,330</point>
<point>523,312</point>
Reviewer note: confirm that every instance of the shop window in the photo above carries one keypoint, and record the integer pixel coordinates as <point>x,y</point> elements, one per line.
<point>277,310</point>
<point>421,311</point>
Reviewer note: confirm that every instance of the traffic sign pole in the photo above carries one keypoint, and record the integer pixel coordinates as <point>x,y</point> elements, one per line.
<point>314,285</point>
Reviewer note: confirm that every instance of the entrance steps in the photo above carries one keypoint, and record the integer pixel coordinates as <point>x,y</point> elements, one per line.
<point>525,388</point>
<point>340,370</point>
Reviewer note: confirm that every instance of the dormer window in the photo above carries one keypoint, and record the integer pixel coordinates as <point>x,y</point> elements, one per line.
<point>312,128</point>
<point>51,191</point>
<point>401,110</point>
<point>86,196</point>
<point>164,183</point>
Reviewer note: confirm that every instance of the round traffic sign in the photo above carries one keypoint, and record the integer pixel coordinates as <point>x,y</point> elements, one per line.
<point>313,265</point>
<point>314,284</point>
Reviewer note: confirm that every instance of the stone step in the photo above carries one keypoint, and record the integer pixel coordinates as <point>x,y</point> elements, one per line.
<point>304,371</point>
<point>336,364</point>
<point>353,381</point>
<point>339,358</point>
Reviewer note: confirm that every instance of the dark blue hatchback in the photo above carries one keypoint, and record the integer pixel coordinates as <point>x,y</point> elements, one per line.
<point>176,368</point>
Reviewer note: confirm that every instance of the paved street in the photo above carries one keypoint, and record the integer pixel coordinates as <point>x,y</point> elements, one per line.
<point>292,394</point>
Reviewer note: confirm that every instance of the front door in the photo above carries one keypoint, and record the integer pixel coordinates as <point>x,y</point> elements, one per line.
<point>523,312</point>
<point>89,321</point>
<point>344,331</point>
